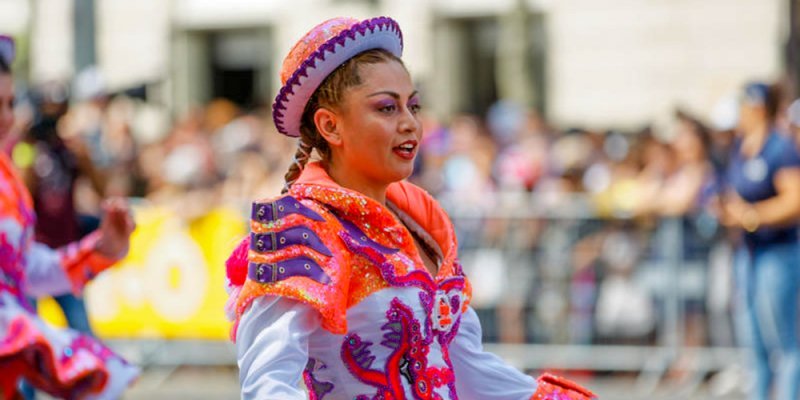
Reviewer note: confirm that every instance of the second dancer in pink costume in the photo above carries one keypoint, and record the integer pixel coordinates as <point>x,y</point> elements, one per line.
<point>61,362</point>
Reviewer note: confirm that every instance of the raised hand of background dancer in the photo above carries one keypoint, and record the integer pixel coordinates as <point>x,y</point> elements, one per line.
<point>115,228</point>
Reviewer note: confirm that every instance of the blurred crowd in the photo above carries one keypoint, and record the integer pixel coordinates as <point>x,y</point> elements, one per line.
<point>564,230</point>
<point>125,144</point>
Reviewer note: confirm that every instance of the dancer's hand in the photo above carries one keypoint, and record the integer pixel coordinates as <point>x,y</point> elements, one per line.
<point>115,228</point>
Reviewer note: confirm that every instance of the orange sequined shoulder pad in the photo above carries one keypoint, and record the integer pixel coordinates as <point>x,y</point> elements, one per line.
<point>293,250</point>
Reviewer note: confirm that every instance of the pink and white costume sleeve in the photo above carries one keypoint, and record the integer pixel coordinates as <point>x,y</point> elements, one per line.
<point>273,348</point>
<point>44,275</point>
<point>51,272</point>
<point>483,375</point>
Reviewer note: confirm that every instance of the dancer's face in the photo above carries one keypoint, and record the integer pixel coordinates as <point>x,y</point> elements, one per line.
<point>377,125</point>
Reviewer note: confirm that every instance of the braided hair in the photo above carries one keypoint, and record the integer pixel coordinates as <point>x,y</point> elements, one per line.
<point>329,94</point>
<point>5,67</point>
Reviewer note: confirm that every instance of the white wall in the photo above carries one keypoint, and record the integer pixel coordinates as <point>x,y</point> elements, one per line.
<point>416,19</point>
<point>610,62</point>
<point>215,14</point>
<point>132,41</point>
<point>14,15</point>
<point>52,41</point>
<point>622,62</point>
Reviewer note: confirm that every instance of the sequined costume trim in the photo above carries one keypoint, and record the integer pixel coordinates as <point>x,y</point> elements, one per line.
<point>82,262</point>
<point>12,265</point>
<point>74,371</point>
<point>552,387</point>
<point>299,256</point>
<point>358,245</point>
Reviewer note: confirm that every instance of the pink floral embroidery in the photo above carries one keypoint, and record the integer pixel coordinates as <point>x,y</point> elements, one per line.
<point>408,359</point>
<point>12,265</point>
<point>316,389</point>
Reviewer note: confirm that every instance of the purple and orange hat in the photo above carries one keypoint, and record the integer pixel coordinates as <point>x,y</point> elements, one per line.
<point>7,52</point>
<point>318,53</point>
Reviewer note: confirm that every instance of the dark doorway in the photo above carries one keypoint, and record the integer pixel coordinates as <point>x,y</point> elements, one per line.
<point>480,40</point>
<point>480,34</point>
<point>238,59</point>
<point>235,85</point>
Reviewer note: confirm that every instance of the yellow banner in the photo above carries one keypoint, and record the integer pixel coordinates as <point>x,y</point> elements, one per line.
<point>171,285</point>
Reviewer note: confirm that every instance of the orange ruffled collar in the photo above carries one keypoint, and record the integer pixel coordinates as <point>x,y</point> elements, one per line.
<point>315,183</point>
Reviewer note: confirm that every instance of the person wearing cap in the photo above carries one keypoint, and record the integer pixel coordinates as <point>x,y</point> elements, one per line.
<point>350,279</point>
<point>793,118</point>
<point>764,202</point>
<point>60,362</point>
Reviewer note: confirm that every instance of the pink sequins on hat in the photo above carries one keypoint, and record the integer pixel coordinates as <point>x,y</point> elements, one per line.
<point>320,51</point>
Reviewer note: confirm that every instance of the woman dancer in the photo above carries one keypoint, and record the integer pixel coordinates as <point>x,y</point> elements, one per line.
<point>351,278</point>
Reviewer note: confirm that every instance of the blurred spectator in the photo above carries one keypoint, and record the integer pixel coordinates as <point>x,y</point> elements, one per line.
<point>432,155</point>
<point>724,119</point>
<point>88,115</point>
<point>521,164</point>
<point>189,161</point>
<point>54,167</point>
<point>680,188</point>
<point>51,174</point>
<point>571,155</point>
<point>102,122</point>
<point>619,198</point>
<point>793,116</point>
<point>505,119</point>
<point>764,201</point>
<point>624,311</point>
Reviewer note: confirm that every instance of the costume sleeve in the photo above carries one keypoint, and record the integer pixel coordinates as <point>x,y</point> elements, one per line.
<point>272,347</point>
<point>293,251</point>
<point>42,268</point>
<point>44,274</point>
<point>482,375</point>
<point>67,269</point>
<point>48,271</point>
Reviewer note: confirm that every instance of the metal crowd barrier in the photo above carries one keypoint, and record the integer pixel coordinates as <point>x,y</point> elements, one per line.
<point>556,228</point>
<point>672,263</point>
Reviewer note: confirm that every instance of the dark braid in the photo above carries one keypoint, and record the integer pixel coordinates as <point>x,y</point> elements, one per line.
<point>330,94</point>
<point>5,68</point>
<point>299,162</point>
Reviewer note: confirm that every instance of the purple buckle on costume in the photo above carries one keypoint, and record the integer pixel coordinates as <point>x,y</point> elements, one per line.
<point>362,237</point>
<point>287,205</point>
<point>299,235</point>
<point>299,266</point>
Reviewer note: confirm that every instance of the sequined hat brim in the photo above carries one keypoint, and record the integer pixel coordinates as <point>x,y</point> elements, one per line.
<point>376,33</point>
